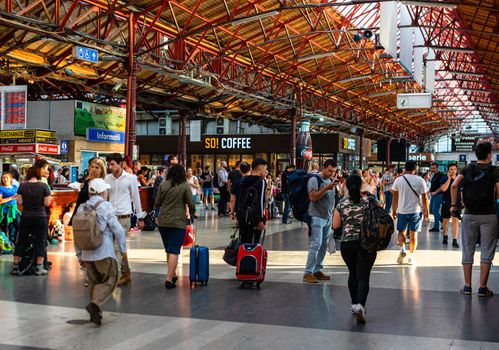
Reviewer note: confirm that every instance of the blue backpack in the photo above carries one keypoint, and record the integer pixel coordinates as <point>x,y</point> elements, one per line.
<point>298,194</point>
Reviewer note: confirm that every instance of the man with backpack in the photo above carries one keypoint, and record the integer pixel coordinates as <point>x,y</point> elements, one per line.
<point>235,188</point>
<point>437,195</point>
<point>285,193</point>
<point>480,183</point>
<point>321,193</point>
<point>251,203</point>
<point>410,202</point>
<point>95,225</point>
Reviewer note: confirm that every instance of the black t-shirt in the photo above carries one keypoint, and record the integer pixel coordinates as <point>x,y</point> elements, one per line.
<point>284,182</point>
<point>234,176</point>
<point>494,174</point>
<point>207,178</point>
<point>33,194</point>
<point>261,185</point>
<point>436,181</point>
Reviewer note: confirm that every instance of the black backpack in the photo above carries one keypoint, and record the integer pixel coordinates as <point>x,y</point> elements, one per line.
<point>478,189</point>
<point>215,180</point>
<point>249,206</point>
<point>298,193</point>
<point>377,227</point>
<point>149,223</point>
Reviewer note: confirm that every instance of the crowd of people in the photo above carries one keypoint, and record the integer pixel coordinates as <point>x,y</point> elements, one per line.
<point>251,196</point>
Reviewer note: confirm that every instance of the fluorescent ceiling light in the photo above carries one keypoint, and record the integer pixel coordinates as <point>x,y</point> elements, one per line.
<point>430,122</point>
<point>349,80</point>
<point>471,74</point>
<point>255,17</point>
<point>430,4</point>
<point>385,93</point>
<point>416,114</point>
<point>445,110</point>
<point>451,49</point>
<point>316,56</point>
<point>476,90</point>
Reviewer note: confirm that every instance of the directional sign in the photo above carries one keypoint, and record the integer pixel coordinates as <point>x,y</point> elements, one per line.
<point>409,101</point>
<point>64,146</point>
<point>86,54</point>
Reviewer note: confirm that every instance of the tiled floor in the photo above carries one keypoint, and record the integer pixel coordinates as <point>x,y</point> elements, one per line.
<point>408,307</point>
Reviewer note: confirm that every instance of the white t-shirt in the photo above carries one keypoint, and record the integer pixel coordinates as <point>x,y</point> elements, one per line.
<point>192,182</point>
<point>408,203</point>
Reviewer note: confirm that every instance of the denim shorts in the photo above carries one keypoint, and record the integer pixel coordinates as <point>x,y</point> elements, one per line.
<point>411,222</point>
<point>172,239</point>
<point>208,191</point>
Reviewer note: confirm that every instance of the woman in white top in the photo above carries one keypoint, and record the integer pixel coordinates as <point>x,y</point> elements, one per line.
<point>193,184</point>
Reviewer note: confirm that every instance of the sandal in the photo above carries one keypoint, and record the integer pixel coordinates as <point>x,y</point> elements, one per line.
<point>169,285</point>
<point>485,292</point>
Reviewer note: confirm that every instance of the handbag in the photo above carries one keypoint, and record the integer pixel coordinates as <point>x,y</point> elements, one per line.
<point>331,244</point>
<point>189,237</point>
<point>230,254</point>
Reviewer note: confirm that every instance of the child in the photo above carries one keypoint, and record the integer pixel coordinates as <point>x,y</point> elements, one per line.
<point>100,263</point>
<point>66,219</point>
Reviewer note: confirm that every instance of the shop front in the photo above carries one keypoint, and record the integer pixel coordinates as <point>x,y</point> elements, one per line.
<point>22,147</point>
<point>213,149</point>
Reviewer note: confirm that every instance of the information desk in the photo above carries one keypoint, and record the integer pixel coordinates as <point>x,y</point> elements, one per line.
<point>62,198</point>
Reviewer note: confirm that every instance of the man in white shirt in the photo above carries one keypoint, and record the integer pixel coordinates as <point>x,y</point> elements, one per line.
<point>223,186</point>
<point>123,192</point>
<point>410,199</point>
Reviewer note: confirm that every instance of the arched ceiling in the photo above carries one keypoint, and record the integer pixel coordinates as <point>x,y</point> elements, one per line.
<point>257,59</point>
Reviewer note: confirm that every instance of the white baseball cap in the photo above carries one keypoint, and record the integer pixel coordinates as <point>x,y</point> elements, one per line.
<point>97,186</point>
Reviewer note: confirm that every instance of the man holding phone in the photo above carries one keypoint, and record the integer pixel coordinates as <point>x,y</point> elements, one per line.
<point>321,193</point>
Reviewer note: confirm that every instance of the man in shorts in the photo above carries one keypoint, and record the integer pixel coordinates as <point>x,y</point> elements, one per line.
<point>410,202</point>
<point>480,183</point>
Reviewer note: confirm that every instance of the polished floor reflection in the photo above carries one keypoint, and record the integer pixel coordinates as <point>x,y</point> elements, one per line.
<point>413,307</point>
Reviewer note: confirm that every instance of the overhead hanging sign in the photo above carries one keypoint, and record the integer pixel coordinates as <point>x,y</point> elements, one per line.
<point>406,39</point>
<point>107,136</point>
<point>411,101</point>
<point>27,136</point>
<point>13,107</point>
<point>86,54</point>
<point>29,148</point>
<point>388,27</point>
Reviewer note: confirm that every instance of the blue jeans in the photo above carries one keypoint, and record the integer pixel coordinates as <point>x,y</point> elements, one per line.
<point>435,204</point>
<point>285,215</point>
<point>320,229</point>
<point>388,201</point>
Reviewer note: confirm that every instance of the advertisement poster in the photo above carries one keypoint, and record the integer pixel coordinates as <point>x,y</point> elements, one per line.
<point>13,107</point>
<point>97,116</point>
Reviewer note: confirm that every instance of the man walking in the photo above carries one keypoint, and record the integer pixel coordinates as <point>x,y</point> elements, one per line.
<point>122,194</point>
<point>285,192</point>
<point>387,182</point>
<point>480,183</point>
<point>207,186</point>
<point>409,201</point>
<point>321,193</point>
<point>437,180</point>
<point>251,203</point>
<point>223,186</point>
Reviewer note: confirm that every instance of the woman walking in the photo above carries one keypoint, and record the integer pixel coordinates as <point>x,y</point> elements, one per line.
<point>350,213</point>
<point>34,196</point>
<point>173,196</point>
<point>193,184</point>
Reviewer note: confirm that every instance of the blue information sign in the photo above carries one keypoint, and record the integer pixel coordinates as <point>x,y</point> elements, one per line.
<point>64,146</point>
<point>109,136</point>
<point>497,157</point>
<point>86,54</point>
<point>462,157</point>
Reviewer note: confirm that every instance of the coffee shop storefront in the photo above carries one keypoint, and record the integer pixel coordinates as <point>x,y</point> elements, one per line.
<point>155,150</point>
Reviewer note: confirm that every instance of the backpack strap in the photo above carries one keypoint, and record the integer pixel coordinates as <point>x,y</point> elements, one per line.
<point>96,205</point>
<point>414,191</point>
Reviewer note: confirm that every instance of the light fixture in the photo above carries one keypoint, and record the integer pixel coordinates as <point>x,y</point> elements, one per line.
<point>385,93</point>
<point>357,37</point>
<point>430,122</point>
<point>349,80</point>
<point>316,56</point>
<point>471,74</point>
<point>451,49</point>
<point>74,69</point>
<point>417,114</point>
<point>27,57</point>
<point>476,90</point>
<point>436,4</point>
<point>252,18</point>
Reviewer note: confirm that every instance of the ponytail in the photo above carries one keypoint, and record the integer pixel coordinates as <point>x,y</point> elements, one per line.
<point>354,184</point>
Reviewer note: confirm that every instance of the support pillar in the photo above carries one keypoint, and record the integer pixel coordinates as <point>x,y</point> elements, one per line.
<point>182,138</point>
<point>292,151</point>
<point>388,155</point>
<point>361,148</point>
<point>131,91</point>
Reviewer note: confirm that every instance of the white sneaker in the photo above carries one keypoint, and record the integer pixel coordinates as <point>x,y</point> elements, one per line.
<point>360,314</point>
<point>353,308</point>
<point>400,259</point>
<point>411,260</point>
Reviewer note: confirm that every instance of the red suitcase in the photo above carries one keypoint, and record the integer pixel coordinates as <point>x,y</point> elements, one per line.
<point>251,265</point>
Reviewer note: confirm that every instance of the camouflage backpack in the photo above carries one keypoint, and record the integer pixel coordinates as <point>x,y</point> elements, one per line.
<point>377,227</point>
